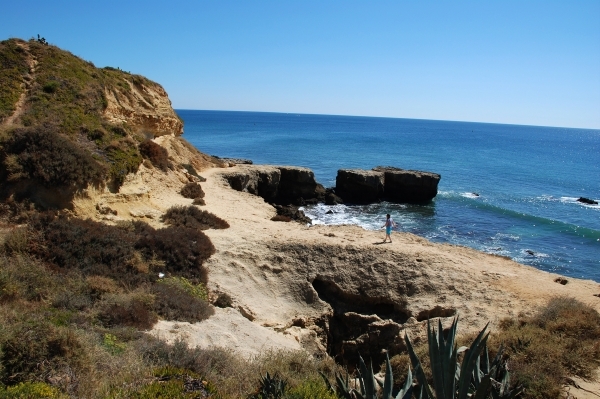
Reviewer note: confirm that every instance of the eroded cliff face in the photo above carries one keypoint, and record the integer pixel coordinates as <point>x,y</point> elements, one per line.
<point>145,107</point>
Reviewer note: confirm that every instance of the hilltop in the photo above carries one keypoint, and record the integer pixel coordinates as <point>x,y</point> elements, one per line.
<point>129,266</point>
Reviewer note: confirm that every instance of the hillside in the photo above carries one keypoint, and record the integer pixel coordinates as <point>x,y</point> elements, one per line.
<point>130,267</point>
<point>66,125</point>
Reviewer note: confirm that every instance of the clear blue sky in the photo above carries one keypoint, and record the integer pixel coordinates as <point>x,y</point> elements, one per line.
<point>521,62</point>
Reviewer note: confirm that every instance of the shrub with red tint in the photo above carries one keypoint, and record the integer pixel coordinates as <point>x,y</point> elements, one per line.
<point>173,303</point>
<point>192,191</point>
<point>156,154</point>
<point>42,154</point>
<point>183,250</point>
<point>192,217</point>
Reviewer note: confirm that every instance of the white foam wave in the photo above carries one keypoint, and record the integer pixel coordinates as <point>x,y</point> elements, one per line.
<point>470,195</point>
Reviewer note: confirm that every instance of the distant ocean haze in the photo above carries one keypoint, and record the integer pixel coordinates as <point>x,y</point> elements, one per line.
<point>505,189</point>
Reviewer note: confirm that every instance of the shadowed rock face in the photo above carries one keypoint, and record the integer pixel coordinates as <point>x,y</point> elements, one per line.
<point>370,300</point>
<point>359,186</point>
<point>278,184</point>
<point>408,186</point>
<point>386,183</point>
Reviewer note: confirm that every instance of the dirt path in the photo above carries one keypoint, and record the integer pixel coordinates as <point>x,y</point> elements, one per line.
<point>28,79</point>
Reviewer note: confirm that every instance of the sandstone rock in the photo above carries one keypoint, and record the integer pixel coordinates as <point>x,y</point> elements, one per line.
<point>408,186</point>
<point>146,107</point>
<point>359,186</point>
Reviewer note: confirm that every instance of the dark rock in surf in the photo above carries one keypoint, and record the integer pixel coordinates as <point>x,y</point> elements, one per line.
<point>293,213</point>
<point>587,201</point>
<point>281,185</point>
<point>386,183</point>
<point>331,198</point>
<point>408,186</point>
<point>359,186</point>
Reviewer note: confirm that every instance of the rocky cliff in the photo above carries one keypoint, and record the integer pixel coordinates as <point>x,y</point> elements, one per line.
<point>66,125</point>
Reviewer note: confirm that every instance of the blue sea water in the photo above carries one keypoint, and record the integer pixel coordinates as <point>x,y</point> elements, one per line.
<point>528,178</point>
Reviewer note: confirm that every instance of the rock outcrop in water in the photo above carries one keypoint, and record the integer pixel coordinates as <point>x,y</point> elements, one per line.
<point>281,185</point>
<point>386,183</point>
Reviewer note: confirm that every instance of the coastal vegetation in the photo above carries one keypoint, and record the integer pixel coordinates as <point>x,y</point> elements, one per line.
<point>78,297</point>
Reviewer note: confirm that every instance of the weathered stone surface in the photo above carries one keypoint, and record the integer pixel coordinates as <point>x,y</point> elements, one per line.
<point>408,186</point>
<point>277,184</point>
<point>359,186</point>
<point>146,108</point>
<point>386,183</point>
<point>296,183</point>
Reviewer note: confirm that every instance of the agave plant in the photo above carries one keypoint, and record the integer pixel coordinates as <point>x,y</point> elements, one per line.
<point>475,377</point>
<point>271,387</point>
<point>368,383</point>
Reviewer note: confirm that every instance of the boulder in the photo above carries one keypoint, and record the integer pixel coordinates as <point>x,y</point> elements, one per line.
<point>359,186</point>
<point>408,186</point>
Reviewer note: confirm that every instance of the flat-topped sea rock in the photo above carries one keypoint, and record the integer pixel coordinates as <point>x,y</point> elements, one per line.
<point>388,183</point>
<point>277,184</point>
<point>359,186</point>
<point>408,186</point>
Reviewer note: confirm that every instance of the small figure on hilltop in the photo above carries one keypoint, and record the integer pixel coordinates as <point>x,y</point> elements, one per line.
<point>389,223</point>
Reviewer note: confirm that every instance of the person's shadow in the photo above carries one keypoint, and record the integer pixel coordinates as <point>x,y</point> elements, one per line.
<point>381,242</point>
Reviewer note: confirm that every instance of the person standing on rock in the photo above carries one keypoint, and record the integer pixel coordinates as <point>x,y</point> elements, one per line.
<point>389,223</point>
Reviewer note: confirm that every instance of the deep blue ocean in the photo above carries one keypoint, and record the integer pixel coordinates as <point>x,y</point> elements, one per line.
<point>528,178</point>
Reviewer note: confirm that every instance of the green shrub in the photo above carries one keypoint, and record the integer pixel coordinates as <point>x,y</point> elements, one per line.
<point>562,339</point>
<point>132,310</point>
<point>31,390</point>
<point>192,217</point>
<point>198,291</point>
<point>51,87</point>
<point>42,154</point>
<point>24,278</point>
<point>112,344</point>
<point>156,154</point>
<point>31,347</point>
<point>192,191</point>
<point>310,389</point>
<point>175,303</point>
<point>123,158</point>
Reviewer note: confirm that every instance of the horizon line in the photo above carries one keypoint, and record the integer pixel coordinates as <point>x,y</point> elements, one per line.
<point>390,117</point>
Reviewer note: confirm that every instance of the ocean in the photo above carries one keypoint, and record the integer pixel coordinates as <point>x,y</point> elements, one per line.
<point>508,190</point>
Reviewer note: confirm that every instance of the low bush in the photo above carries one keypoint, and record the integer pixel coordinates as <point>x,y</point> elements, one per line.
<point>132,310</point>
<point>42,154</point>
<point>182,249</point>
<point>175,303</point>
<point>192,217</point>
<point>123,158</point>
<point>93,248</point>
<point>192,191</point>
<point>31,390</point>
<point>32,347</point>
<point>311,389</point>
<point>25,278</point>
<point>156,154</point>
